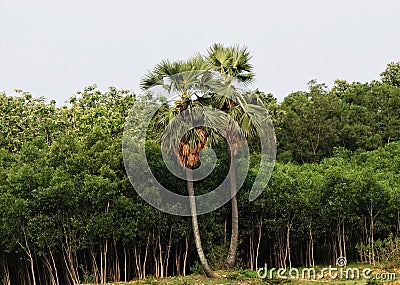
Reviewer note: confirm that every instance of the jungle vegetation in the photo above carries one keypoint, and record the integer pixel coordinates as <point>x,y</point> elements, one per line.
<point>68,213</point>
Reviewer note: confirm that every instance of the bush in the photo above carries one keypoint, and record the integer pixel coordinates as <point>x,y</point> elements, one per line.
<point>387,252</point>
<point>197,268</point>
<point>249,273</point>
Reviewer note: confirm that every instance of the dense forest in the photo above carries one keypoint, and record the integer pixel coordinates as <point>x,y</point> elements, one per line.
<point>69,213</point>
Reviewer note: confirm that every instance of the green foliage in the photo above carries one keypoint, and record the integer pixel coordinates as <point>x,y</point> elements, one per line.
<point>197,268</point>
<point>391,75</point>
<point>373,281</point>
<point>66,204</point>
<point>248,273</point>
<point>356,116</point>
<point>388,251</point>
<point>217,255</point>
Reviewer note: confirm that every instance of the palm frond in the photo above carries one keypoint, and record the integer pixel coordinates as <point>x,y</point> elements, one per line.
<point>151,79</point>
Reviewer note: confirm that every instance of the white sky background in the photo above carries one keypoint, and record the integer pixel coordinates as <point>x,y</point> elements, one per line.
<point>55,48</point>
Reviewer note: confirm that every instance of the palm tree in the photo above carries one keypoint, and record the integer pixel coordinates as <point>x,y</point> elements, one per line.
<point>186,79</point>
<point>233,65</point>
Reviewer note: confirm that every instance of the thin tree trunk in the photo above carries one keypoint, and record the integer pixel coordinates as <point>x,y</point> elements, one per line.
<point>311,247</point>
<point>101,265</point>
<point>105,262</point>
<point>55,267</point>
<point>145,256</point>
<point>95,268</point>
<point>166,257</point>
<point>196,232</point>
<point>231,259</point>
<point>344,241</point>
<point>28,279</point>
<point>70,261</point>
<point>185,256</point>
<point>6,274</point>
<point>178,256</point>
<point>161,261</point>
<point>288,251</point>
<point>258,242</point>
<point>47,265</point>
<point>372,234</point>
<point>339,237</point>
<point>367,252</point>
<point>225,229</point>
<point>117,272</point>
<point>251,252</point>
<point>281,261</point>
<point>155,257</point>
<point>398,222</point>
<point>137,262</point>
<point>30,256</point>
<point>32,269</point>
<point>125,265</point>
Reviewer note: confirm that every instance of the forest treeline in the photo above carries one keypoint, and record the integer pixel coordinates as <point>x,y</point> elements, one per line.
<point>68,213</point>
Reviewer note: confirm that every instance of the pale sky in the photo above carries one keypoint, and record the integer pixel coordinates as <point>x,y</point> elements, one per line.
<point>55,48</point>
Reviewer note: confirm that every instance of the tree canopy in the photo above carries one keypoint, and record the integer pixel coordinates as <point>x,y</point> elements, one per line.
<point>69,213</point>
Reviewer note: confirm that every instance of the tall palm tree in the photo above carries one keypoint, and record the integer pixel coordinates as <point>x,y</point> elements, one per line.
<point>233,63</point>
<point>186,79</point>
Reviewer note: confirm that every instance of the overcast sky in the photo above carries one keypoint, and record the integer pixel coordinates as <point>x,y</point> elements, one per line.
<point>55,48</point>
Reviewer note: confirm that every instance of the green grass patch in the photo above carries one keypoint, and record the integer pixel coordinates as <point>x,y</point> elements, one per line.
<point>250,277</point>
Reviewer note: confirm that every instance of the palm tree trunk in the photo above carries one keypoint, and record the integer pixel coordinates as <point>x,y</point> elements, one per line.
<point>231,259</point>
<point>196,232</point>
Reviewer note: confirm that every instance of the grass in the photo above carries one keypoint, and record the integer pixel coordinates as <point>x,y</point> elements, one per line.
<point>225,277</point>
<point>249,277</point>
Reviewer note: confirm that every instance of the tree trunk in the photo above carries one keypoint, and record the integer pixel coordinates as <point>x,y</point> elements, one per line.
<point>125,263</point>
<point>258,242</point>
<point>372,244</point>
<point>196,232</point>
<point>344,241</point>
<point>70,263</point>
<point>167,255</point>
<point>136,254</point>
<point>95,268</point>
<point>185,256</point>
<point>49,267</point>
<point>145,256</point>
<point>117,270</point>
<point>398,222</point>
<point>251,252</point>
<point>161,261</point>
<point>288,250</point>
<point>6,274</point>
<point>30,256</point>
<point>103,260</point>
<point>178,255</point>
<point>311,247</point>
<point>231,259</point>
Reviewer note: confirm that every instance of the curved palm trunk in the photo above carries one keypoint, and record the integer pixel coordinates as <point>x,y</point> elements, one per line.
<point>196,232</point>
<point>231,259</point>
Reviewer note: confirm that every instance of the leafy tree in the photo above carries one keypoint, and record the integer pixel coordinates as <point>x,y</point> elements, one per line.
<point>246,109</point>
<point>391,75</point>
<point>233,63</point>
<point>310,127</point>
<point>185,78</point>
